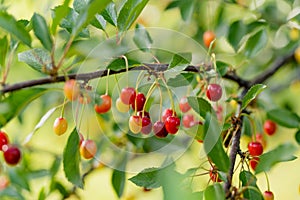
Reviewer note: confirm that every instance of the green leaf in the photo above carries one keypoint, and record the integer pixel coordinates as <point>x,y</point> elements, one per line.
<point>200,105</point>
<point>18,177</point>
<point>129,12</point>
<point>142,38</point>
<point>8,23</point>
<point>79,5</point>
<point>110,14</point>
<point>297,137</point>
<point>42,194</point>
<point>99,22</point>
<point>256,43</point>
<point>71,160</point>
<point>284,117</point>
<point>119,176</point>
<point>11,193</point>
<point>236,32</point>
<point>282,153</point>
<point>252,94</point>
<point>119,64</point>
<point>42,31</point>
<point>55,166</point>
<point>180,80</point>
<point>196,132</point>
<point>88,13</point>
<point>246,128</point>
<point>222,68</point>
<point>3,50</point>
<point>38,59</point>
<point>213,144</point>
<point>12,105</point>
<point>253,192</point>
<point>214,192</point>
<point>180,59</point>
<point>58,13</point>
<point>186,9</point>
<point>148,178</point>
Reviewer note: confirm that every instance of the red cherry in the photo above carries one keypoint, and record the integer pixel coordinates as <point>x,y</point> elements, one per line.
<point>200,141</point>
<point>188,121</point>
<point>3,139</point>
<point>135,124</point>
<point>145,113</point>
<point>12,155</point>
<point>255,148</point>
<point>146,125</point>
<point>159,129</point>
<point>127,95</point>
<point>214,175</point>
<point>172,124</point>
<point>268,195</point>
<point>214,92</point>
<point>208,37</point>
<point>167,113</point>
<point>88,149</point>
<point>253,162</point>
<point>270,127</point>
<point>140,100</point>
<point>184,105</point>
<point>105,104</point>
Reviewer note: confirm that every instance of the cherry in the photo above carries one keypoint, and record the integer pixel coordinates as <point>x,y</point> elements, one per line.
<point>214,92</point>
<point>270,127</point>
<point>253,162</point>
<point>135,124</point>
<point>200,141</point>
<point>71,89</point>
<point>255,148</point>
<point>140,100</point>
<point>159,129</point>
<point>208,37</point>
<point>268,195</point>
<point>260,138</point>
<point>81,139</point>
<point>105,104</point>
<point>172,124</point>
<point>188,120</point>
<point>3,140</point>
<point>167,113</point>
<point>12,155</point>
<point>146,125</point>
<point>127,95</point>
<point>214,175</point>
<point>121,106</point>
<point>60,126</point>
<point>184,105</point>
<point>88,149</point>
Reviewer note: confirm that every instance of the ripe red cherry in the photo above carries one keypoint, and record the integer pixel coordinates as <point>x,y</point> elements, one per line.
<point>127,95</point>
<point>88,149</point>
<point>146,125</point>
<point>172,124</point>
<point>135,124</point>
<point>60,126</point>
<point>255,148</point>
<point>188,120</point>
<point>167,113</point>
<point>253,162</point>
<point>71,90</point>
<point>145,113</point>
<point>214,92</point>
<point>214,175</point>
<point>184,105</point>
<point>3,139</point>
<point>140,100</point>
<point>12,155</point>
<point>159,129</point>
<point>208,37</point>
<point>270,127</point>
<point>268,195</point>
<point>105,104</point>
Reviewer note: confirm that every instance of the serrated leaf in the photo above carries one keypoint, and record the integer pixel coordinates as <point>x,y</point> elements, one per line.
<point>71,159</point>
<point>58,13</point>
<point>214,192</point>
<point>148,178</point>
<point>284,117</point>
<point>252,94</point>
<point>42,31</point>
<point>200,105</point>
<point>79,5</point>
<point>12,105</point>
<point>110,14</point>
<point>129,12</point>
<point>119,64</point>
<point>99,22</point>
<point>213,144</point>
<point>282,153</point>
<point>3,50</point>
<point>38,59</point>
<point>256,43</point>
<point>142,38</point>
<point>297,137</point>
<point>180,59</point>
<point>248,179</point>
<point>8,23</point>
<point>180,80</point>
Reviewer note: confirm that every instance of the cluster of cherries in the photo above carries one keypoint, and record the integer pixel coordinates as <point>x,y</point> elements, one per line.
<point>11,153</point>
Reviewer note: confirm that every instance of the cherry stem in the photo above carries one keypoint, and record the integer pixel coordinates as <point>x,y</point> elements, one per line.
<point>117,83</point>
<point>149,93</point>
<point>107,81</point>
<point>81,116</point>
<point>170,96</point>
<point>160,102</point>
<point>268,182</point>
<point>63,107</point>
<point>127,71</point>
